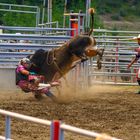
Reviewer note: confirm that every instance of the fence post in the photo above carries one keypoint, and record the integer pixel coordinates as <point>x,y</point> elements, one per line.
<point>56,132</point>
<point>8,127</point>
<point>116,60</point>
<point>61,132</point>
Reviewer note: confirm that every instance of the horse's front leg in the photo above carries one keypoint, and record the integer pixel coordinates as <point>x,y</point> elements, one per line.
<point>100,53</point>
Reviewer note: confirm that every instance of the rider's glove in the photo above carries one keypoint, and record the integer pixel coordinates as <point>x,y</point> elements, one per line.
<point>32,73</point>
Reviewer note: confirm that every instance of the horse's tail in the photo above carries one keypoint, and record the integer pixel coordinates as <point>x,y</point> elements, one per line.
<point>91,12</point>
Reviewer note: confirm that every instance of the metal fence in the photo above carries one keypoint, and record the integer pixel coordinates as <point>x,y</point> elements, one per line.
<point>43,30</point>
<point>57,128</point>
<point>119,50</point>
<point>21,9</point>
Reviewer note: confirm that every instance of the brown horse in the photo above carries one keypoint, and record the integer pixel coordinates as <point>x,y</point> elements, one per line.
<point>56,63</point>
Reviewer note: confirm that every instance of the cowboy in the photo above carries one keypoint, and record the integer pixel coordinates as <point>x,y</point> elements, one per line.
<point>30,84</point>
<point>135,59</point>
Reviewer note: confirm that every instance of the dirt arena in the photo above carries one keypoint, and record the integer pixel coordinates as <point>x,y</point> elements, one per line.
<point>113,110</point>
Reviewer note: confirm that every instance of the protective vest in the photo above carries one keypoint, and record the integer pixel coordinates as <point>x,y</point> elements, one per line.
<point>20,76</point>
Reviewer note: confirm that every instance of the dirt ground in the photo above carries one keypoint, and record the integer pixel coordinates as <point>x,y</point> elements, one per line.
<point>113,110</point>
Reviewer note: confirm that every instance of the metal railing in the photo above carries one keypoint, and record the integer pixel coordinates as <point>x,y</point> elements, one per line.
<point>38,30</point>
<point>15,8</point>
<point>61,127</point>
<point>117,55</point>
<point>119,51</point>
<point>33,37</point>
<point>27,46</point>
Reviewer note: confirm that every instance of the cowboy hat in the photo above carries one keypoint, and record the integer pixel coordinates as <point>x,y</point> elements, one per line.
<point>136,38</point>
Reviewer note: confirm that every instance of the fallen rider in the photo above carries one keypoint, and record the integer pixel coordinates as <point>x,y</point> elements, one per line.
<point>30,82</point>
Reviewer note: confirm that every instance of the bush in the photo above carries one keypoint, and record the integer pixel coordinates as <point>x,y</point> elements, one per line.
<point>123,12</point>
<point>115,17</point>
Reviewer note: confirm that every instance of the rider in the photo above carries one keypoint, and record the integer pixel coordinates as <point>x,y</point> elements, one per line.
<point>135,59</point>
<point>22,78</point>
<point>22,73</point>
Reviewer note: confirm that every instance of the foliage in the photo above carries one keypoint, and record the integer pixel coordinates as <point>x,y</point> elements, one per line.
<point>118,9</point>
<point>14,19</point>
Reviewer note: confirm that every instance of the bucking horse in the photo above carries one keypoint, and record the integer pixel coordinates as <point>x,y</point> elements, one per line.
<point>54,64</point>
